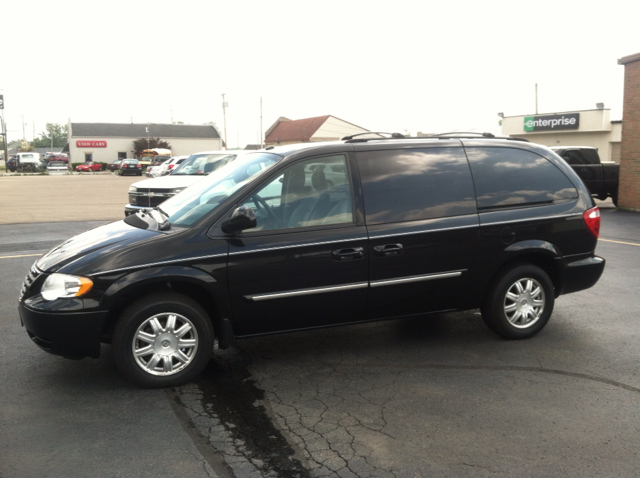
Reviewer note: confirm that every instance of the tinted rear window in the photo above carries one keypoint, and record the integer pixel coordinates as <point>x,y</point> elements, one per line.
<point>507,177</point>
<point>415,184</point>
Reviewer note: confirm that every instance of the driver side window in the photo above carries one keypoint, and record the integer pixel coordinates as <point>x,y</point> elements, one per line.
<point>310,193</point>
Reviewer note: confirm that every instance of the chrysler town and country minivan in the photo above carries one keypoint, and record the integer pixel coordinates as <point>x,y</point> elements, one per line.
<point>321,234</point>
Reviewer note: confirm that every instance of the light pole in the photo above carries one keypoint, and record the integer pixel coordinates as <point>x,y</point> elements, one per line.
<point>224,115</point>
<point>4,133</point>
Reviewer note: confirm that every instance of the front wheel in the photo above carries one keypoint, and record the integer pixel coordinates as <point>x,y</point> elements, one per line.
<point>162,340</point>
<point>519,303</point>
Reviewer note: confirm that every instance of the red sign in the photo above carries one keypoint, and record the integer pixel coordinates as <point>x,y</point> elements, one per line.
<point>91,144</point>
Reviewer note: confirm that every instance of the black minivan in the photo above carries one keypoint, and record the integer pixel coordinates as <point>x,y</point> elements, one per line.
<point>321,234</point>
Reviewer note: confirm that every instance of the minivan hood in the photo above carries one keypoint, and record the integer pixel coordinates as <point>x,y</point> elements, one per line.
<point>168,182</point>
<point>92,244</point>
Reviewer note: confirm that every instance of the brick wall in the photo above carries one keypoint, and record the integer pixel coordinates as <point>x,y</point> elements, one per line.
<point>629,191</point>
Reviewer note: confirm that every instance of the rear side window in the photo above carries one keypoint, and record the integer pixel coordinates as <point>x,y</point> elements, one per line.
<point>507,177</point>
<point>415,184</point>
<point>590,156</point>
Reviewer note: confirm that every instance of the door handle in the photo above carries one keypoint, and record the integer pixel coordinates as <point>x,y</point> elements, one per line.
<point>348,254</point>
<point>388,250</point>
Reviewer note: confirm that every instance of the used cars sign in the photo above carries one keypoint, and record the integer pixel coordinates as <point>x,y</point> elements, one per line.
<point>551,122</point>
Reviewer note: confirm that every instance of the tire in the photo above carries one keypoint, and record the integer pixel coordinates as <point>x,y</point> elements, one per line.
<point>154,324</point>
<point>614,198</point>
<point>519,302</point>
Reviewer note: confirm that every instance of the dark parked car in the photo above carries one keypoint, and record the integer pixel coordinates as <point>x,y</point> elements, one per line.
<point>321,234</point>
<point>130,166</point>
<point>115,166</point>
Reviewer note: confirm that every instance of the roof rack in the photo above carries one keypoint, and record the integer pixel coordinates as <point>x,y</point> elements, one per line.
<point>452,135</point>
<point>391,135</point>
<point>465,134</point>
<point>472,135</point>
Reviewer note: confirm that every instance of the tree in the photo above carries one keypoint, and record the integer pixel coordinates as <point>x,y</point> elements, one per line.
<point>55,131</point>
<point>143,143</point>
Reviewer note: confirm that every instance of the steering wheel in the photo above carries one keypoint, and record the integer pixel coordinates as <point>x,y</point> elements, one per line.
<point>262,203</point>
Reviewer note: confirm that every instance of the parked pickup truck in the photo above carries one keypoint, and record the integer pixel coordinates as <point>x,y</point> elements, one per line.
<point>600,177</point>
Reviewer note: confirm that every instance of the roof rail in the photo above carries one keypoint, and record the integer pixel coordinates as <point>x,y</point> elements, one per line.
<point>391,135</point>
<point>464,133</point>
<point>472,135</point>
<point>453,135</point>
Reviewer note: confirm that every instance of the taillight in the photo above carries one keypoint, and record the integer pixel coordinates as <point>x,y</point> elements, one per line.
<point>592,220</point>
<point>171,166</point>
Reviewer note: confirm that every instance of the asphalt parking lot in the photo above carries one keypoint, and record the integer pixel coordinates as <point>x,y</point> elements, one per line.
<point>64,198</point>
<point>430,396</point>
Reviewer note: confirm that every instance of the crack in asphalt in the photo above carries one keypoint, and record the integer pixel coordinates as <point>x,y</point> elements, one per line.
<point>584,376</point>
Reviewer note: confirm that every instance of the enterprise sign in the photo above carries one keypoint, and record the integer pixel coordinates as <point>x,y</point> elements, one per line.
<point>552,122</point>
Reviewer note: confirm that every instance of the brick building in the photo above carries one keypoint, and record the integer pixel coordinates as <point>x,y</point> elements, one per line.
<point>629,192</point>
<point>319,128</point>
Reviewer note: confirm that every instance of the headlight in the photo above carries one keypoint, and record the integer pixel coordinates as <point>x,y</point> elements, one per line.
<point>133,189</point>
<point>177,190</point>
<point>64,285</point>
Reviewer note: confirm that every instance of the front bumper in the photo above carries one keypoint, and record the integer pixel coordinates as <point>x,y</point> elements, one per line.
<point>71,334</point>
<point>146,200</point>
<point>130,209</point>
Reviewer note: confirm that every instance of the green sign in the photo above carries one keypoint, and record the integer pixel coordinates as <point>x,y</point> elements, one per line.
<point>551,122</point>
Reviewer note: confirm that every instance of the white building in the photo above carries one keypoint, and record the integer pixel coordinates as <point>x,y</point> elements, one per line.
<point>572,128</point>
<point>106,142</point>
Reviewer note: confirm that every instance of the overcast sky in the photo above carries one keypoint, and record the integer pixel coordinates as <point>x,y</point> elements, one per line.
<point>385,66</point>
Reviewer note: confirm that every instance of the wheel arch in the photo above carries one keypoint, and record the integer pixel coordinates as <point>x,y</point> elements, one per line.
<point>541,254</point>
<point>192,282</point>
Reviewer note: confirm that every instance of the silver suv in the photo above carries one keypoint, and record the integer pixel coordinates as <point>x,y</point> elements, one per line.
<point>150,193</point>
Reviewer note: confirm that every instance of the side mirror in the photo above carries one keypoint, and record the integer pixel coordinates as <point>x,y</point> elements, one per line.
<point>242,218</point>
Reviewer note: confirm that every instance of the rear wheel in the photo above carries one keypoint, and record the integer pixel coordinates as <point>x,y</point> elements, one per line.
<point>162,340</point>
<point>519,303</point>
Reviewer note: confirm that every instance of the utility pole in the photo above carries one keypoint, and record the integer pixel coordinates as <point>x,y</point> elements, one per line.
<point>224,115</point>
<point>4,133</point>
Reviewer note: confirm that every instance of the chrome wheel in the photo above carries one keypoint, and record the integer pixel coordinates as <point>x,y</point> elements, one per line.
<point>519,302</point>
<point>524,303</point>
<point>165,344</point>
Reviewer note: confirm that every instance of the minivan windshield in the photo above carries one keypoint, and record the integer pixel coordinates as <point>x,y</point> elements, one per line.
<point>203,164</point>
<point>192,204</point>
